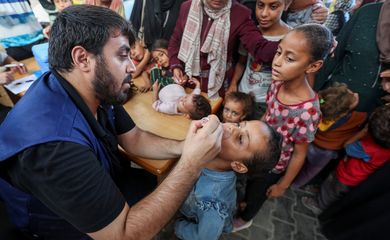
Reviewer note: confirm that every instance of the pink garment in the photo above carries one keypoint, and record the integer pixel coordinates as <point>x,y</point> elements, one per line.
<point>296,123</point>
<point>169,98</point>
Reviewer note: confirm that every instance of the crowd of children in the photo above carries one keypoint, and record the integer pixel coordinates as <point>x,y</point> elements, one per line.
<point>315,128</point>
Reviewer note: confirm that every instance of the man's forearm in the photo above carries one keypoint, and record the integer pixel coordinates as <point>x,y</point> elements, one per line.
<point>146,218</point>
<point>147,145</point>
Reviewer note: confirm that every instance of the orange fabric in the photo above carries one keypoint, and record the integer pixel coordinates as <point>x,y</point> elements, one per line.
<point>335,138</point>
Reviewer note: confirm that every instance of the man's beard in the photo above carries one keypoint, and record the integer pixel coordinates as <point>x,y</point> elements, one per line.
<point>104,85</point>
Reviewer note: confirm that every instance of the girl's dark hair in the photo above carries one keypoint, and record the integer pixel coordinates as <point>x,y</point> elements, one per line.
<point>160,43</point>
<point>244,98</point>
<point>379,126</point>
<point>83,25</point>
<point>319,38</point>
<point>335,101</point>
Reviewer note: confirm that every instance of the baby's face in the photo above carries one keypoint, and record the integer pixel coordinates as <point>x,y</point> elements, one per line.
<point>185,104</point>
<point>137,51</point>
<point>233,112</point>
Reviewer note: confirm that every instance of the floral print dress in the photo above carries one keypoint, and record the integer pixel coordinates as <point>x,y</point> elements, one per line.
<point>297,123</point>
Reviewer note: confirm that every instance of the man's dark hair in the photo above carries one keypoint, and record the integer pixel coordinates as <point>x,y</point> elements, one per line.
<point>201,107</point>
<point>379,126</point>
<point>83,25</point>
<point>266,160</point>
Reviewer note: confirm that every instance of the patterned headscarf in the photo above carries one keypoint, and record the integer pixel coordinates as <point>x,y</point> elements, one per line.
<point>215,45</point>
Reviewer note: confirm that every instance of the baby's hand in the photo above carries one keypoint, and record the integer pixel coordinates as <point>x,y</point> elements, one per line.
<point>194,81</point>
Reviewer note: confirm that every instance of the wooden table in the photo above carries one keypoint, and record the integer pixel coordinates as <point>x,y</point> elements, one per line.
<point>32,66</point>
<point>164,125</point>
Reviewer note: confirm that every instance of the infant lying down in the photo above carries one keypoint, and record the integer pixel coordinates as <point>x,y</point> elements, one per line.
<point>173,99</point>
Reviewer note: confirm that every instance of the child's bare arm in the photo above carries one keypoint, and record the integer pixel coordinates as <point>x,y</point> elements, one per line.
<point>156,87</point>
<point>357,136</point>
<point>238,71</point>
<point>141,65</point>
<point>295,165</point>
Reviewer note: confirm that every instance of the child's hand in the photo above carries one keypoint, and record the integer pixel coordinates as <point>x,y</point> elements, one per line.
<point>6,77</point>
<point>178,76</point>
<point>275,191</point>
<point>145,88</point>
<point>195,81</point>
<point>46,31</point>
<point>232,88</point>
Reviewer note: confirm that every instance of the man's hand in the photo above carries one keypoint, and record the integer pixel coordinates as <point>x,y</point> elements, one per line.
<point>6,77</point>
<point>320,13</point>
<point>203,141</point>
<point>178,76</point>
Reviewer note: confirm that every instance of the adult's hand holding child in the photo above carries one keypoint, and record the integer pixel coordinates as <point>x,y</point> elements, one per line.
<point>203,141</point>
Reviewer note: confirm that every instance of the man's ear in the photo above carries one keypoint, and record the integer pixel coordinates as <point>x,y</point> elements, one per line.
<point>315,66</point>
<point>238,167</point>
<point>81,58</point>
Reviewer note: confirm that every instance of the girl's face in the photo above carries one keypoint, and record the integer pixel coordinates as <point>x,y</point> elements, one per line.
<point>292,59</point>
<point>62,4</point>
<point>269,12</point>
<point>233,112</point>
<point>137,51</point>
<point>160,56</point>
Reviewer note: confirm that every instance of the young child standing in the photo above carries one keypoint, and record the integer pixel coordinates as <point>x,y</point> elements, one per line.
<point>246,148</point>
<point>257,77</point>
<point>363,158</point>
<point>339,123</point>
<point>237,107</point>
<point>293,110</point>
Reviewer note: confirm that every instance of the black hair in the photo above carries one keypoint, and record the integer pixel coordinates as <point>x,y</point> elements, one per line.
<point>160,43</point>
<point>379,126</point>
<point>318,37</point>
<point>201,107</point>
<point>83,25</point>
<point>265,161</point>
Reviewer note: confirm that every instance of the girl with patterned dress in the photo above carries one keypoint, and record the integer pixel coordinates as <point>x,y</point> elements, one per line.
<point>293,110</point>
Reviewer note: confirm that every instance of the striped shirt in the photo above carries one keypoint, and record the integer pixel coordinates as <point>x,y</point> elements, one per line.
<point>18,25</point>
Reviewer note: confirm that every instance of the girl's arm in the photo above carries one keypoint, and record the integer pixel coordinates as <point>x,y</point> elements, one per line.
<point>238,71</point>
<point>295,165</point>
